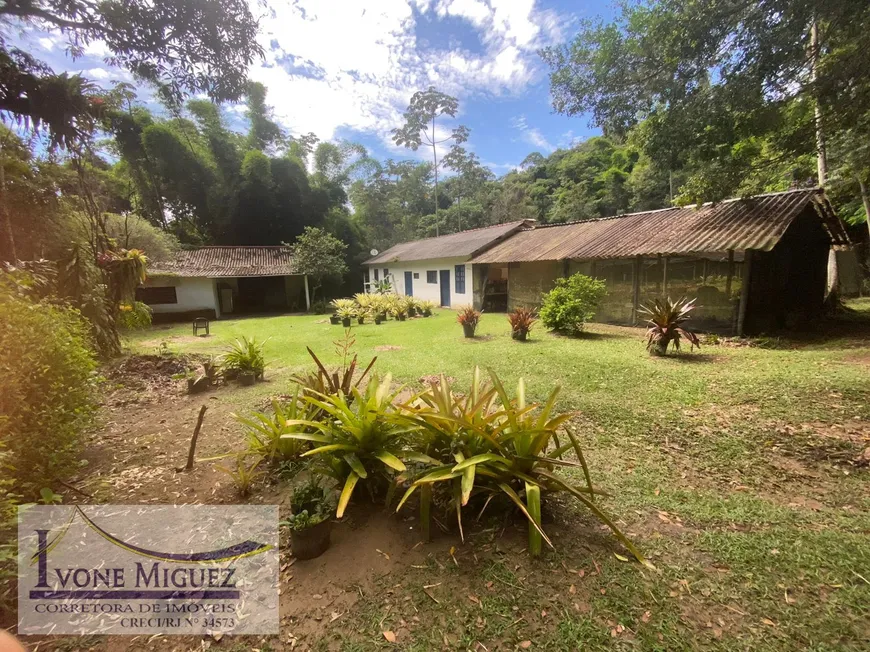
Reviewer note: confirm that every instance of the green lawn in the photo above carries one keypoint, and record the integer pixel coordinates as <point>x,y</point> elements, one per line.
<point>732,468</point>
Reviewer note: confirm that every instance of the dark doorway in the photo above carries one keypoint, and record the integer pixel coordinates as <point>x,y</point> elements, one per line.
<point>445,288</point>
<point>261,294</point>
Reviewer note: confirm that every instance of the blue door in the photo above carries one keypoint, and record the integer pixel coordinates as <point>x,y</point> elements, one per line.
<point>409,284</point>
<point>445,288</point>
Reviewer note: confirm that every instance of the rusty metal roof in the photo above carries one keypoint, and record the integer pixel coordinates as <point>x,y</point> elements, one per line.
<point>223,262</point>
<point>753,223</point>
<point>462,244</point>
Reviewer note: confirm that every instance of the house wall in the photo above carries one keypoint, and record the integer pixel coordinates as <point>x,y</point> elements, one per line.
<point>196,297</point>
<point>429,291</point>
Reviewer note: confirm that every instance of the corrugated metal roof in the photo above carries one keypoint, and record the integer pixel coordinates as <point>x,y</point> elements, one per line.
<point>222,262</point>
<point>464,243</point>
<point>752,223</point>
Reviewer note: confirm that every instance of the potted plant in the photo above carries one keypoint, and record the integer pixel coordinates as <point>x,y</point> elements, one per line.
<point>310,523</point>
<point>346,314</point>
<point>245,360</point>
<point>469,318</point>
<point>411,306</point>
<point>334,319</point>
<point>379,317</point>
<point>426,308</point>
<point>521,321</point>
<point>361,314</point>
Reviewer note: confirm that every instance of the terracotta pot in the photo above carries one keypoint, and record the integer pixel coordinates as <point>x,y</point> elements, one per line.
<point>468,329</point>
<point>311,543</point>
<point>247,379</point>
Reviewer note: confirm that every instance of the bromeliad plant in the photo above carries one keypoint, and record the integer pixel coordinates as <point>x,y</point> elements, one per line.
<point>469,318</point>
<point>265,433</point>
<point>245,356</point>
<point>521,321</point>
<point>360,440</point>
<point>490,444</point>
<point>666,321</point>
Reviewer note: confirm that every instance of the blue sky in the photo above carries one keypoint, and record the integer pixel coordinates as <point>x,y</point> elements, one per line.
<point>346,69</point>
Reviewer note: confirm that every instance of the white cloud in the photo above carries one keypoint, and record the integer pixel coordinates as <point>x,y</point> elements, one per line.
<point>531,135</point>
<point>357,65</point>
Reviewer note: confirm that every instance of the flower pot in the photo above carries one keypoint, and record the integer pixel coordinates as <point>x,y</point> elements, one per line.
<point>402,317</point>
<point>427,313</point>
<point>247,378</point>
<point>412,312</point>
<point>346,322</point>
<point>378,320</point>
<point>360,320</point>
<point>333,319</point>
<point>520,336</point>
<point>468,330</point>
<point>383,316</point>
<point>312,542</point>
<point>231,374</point>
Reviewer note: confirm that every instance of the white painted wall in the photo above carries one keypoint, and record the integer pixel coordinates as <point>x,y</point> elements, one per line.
<point>422,289</point>
<point>192,294</point>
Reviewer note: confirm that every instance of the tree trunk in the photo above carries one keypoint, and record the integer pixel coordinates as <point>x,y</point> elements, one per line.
<point>832,293</point>
<point>4,212</point>
<point>435,158</point>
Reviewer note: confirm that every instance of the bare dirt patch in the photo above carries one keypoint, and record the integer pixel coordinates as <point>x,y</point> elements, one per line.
<point>388,347</point>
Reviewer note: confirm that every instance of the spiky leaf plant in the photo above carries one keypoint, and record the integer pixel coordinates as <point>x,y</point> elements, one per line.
<point>665,319</point>
<point>490,444</point>
<point>362,440</point>
<point>265,432</point>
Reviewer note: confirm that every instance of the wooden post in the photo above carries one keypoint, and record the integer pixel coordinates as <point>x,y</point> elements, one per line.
<point>307,296</point>
<point>659,283</point>
<point>665,278</point>
<point>191,453</point>
<point>635,299</point>
<point>730,275</point>
<point>744,291</point>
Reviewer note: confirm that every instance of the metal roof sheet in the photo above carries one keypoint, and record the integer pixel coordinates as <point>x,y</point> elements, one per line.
<point>464,243</point>
<point>222,262</point>
<point>752,223</point>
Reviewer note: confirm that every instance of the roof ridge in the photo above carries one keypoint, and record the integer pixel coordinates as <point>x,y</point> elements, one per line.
<point>447,235</point>
<point>199,248</point>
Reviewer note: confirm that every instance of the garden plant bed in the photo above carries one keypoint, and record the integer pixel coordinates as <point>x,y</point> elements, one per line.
<point>736,477</point>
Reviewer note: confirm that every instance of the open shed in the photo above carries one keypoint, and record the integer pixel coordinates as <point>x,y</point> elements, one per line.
<point>753,265</point>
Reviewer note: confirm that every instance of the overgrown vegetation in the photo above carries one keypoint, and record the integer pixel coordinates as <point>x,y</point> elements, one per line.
<point>48,397</point>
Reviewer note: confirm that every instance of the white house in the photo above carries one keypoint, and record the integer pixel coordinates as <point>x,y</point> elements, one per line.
<point>217,282</point>
<point>438,269</point>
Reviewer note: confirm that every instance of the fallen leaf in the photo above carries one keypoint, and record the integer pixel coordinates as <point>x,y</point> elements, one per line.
<point>646,616</point>
<point>390,636</point>
<point>620,557</point>
<point>572,589</point>
<point>526,645</point>
<point>768,621</point>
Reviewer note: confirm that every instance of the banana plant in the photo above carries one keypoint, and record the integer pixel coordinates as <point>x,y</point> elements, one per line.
<point>361,436</point>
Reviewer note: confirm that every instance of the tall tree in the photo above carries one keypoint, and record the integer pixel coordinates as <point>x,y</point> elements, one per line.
<point>712,80</point>
<point>180,46</point>
<point>419,128</point>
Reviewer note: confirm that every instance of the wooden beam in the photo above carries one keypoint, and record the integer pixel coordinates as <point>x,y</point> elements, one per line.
<point>744,291</point>
<point>665,278</point>
<point>730,274</point>
<point>635,299</point>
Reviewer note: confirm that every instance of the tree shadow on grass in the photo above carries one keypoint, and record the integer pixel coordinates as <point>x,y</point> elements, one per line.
<point>684,357</point>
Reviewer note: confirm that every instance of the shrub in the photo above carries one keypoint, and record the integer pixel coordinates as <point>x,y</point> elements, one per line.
<point>569,305</point>
<point>48,395</point>
<point>320,307</point>
<point>134,316</point>
<point>521,321</point>
<point>666,319</point>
